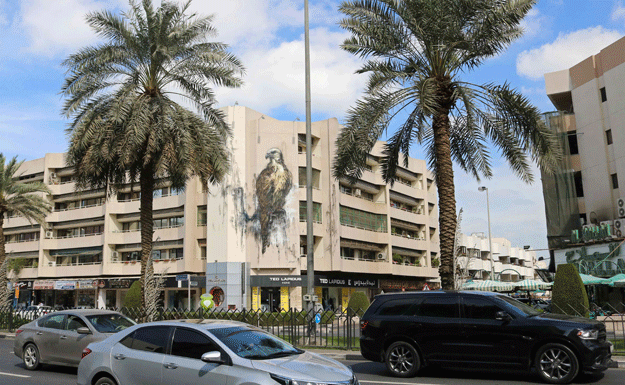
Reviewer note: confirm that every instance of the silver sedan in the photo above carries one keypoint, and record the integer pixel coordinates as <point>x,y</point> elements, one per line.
<point>59,338</point>
<point>205,352</point>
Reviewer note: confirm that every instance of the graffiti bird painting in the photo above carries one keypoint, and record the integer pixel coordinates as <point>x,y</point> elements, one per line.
<point>272,187</point>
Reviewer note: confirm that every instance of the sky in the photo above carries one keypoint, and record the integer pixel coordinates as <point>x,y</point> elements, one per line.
<point>268,36</point>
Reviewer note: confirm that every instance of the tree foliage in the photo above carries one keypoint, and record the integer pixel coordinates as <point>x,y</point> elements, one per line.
<point>127,98</point>
<point>569,294</point>
<point>28,200</point>
<point>133,296</point>
<point>358,301</point>
<point>416,52</point>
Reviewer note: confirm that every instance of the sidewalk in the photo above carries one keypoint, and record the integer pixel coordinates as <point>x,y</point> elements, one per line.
<point>354,355</point>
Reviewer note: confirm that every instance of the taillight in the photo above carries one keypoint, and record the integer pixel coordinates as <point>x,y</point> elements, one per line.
<point>85,353</point>
<point>18,331</point>
<point>363,325</point>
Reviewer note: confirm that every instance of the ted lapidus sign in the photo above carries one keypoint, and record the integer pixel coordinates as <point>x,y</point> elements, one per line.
<point>300,280</point>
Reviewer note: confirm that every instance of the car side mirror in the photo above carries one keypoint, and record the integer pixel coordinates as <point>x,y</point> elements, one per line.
<point>83,330</point>
<point>212,357</point>
<point>503,316</point>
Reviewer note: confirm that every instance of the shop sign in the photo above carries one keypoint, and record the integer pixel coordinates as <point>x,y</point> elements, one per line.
<point>65,285</point>
<point>91,284</point>
<point>399,284</point>
<point>23,285</point>
<point>276,280</point>
<point>120,283</point>
<point>345,282</point>
<point>43,285</point>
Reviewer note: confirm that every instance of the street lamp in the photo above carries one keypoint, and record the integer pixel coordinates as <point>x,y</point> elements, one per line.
<point>490,242</point>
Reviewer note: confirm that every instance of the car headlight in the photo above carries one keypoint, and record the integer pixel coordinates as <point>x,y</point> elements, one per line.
<point>588,334</point>
<point>288,381</point>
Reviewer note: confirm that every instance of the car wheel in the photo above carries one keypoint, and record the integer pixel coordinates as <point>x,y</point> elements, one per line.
<point>556,364</point>
<point>402,359</point>
<point>106,381</point>
<point>31,357</point>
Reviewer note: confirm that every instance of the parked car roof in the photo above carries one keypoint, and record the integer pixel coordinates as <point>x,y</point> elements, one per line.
<point>86,312</point>
<point>209,323</point>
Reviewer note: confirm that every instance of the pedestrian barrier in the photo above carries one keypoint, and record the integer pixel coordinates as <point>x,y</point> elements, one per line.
<point>334,330</point>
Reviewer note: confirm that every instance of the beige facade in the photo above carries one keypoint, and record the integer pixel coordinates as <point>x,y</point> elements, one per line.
<point>511,264</point>
<point>368,236</point>
<point>590,93</point>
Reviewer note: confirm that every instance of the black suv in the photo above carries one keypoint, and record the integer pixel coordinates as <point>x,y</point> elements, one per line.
<point>479,329</point>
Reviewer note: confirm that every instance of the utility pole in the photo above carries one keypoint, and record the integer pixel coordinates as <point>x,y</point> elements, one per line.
<point>490,242</point>
<point>310,241</point>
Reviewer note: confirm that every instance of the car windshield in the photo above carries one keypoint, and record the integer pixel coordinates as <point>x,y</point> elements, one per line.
<point>525,309</point>
<point>254,344</point>
<point>109,323</point>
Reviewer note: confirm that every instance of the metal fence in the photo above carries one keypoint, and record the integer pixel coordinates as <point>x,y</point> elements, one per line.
<point>334,329</point>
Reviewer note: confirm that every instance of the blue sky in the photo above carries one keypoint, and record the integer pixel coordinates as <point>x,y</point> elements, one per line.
<point>268,36</point>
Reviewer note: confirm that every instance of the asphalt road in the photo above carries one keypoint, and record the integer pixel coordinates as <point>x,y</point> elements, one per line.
<point>12,372</point>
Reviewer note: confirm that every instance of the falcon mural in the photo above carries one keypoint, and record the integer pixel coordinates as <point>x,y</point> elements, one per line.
<point>272,187</point>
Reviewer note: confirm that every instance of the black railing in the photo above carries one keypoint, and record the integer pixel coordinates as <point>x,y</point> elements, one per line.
<point>335,329</point>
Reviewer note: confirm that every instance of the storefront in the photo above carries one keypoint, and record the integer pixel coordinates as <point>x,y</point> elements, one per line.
<point>23,293</point>
<point>391,285</point>
<point>275,292</point>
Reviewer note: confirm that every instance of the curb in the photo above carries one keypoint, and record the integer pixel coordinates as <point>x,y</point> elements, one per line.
<point>620,364</point>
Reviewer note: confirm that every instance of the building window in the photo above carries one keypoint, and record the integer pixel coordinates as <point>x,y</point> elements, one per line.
<point>573,149</point>
<point>614,181</point>
<point>363,219</point>
<point>201,216</point>
<point>608,136</point>
<point>579,188</point>
<point>316,212</point>
<point>604,97</point>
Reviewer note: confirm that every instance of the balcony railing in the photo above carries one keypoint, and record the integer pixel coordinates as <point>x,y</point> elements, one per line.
<point>362,259</point>
<point>358,196</point>
<point>76,236</point>
<point>77,208</point>
<point>78,264</point>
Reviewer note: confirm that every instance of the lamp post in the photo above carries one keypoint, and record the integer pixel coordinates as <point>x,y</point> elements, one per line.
<point>490,241</point>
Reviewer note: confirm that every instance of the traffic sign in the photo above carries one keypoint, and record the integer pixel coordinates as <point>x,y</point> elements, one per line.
<point>426,287</point>
<point>318,319</point>
<point>182,277</point>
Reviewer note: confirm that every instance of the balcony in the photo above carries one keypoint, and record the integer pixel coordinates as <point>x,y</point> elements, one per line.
<point>18,247</point>
<point>62,188</point>
<point>93,211</point>
<point>72,242</point>
<point>415,271</point>
<point>85,270</point>
<point>408,242</point>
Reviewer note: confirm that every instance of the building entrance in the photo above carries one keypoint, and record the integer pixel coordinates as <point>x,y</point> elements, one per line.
<point>270,299</point>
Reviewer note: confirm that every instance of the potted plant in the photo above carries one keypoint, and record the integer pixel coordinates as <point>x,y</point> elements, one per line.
<point>435,262</point>
<point>397,259</point>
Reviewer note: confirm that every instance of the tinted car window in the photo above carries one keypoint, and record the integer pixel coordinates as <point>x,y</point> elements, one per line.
<point>74,322</point>
<point>254,344</point>
<point>404,306</point>
<point>479,308</point>
<point>442,307</point>
<point>110,323</point>
<point>191,344</point>
<point>527,310</point>
<point>127,341</point>
<point>53,322</point>
<point>151,339</point>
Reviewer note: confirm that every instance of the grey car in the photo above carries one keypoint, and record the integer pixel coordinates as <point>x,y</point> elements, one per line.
<point>205,352</point>
<point>59,338</point>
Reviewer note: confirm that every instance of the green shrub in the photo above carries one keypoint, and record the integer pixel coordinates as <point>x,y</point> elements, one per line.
<point>358,302</point>
<point>133,297</point>
<point>569,295</point>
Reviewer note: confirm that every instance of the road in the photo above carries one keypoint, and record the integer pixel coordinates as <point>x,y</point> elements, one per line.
<point>12,372</point>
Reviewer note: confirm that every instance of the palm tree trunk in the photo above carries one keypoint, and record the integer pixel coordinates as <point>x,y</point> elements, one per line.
<point>146,181</point>
<point>446,190</point>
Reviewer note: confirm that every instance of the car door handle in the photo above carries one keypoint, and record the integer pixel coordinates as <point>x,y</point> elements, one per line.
<point>39,333</point>
<point>63,337</point>
<point>170,365</point>
<point>119,356</point>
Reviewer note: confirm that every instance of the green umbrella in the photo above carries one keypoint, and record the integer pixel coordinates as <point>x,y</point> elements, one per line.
<point>530,285</point>
<point>590,280</point>
<point>488,286</point>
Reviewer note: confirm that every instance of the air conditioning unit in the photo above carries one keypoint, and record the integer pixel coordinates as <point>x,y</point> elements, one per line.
<point>620,207</point>
<point>381,257</point>
<point>358,192</point>
<point>115,256</point>
<point>49,234</point>
<point>619,228</point>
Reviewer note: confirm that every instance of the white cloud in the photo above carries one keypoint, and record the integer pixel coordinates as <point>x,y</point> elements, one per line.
<point>57,27</point>
<point>532,90</point>
<point>532,23</point>
<point>275,77</point>
<point>566,51</point>
<point>517,209</point>
<point>618,12</point>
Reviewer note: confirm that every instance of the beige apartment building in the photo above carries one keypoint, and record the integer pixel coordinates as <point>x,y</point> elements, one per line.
<point>584,203</point>
<point>244,240</point>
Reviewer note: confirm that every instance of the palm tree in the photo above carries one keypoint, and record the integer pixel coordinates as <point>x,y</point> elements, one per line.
<point>20,199</point>
<point>416,52</point>
<point>124,97</point>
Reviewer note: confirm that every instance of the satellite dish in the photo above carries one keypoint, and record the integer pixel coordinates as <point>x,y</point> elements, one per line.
<point>593,218</point>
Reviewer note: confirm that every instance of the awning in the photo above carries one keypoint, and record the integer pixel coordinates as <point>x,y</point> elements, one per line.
<point>405,225</point>
<point>408,253</point>
<point>74,224</point>
<point>488,286</point>
<point>82,251</point>
<point>361,245</point>
<point>530,284</point>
